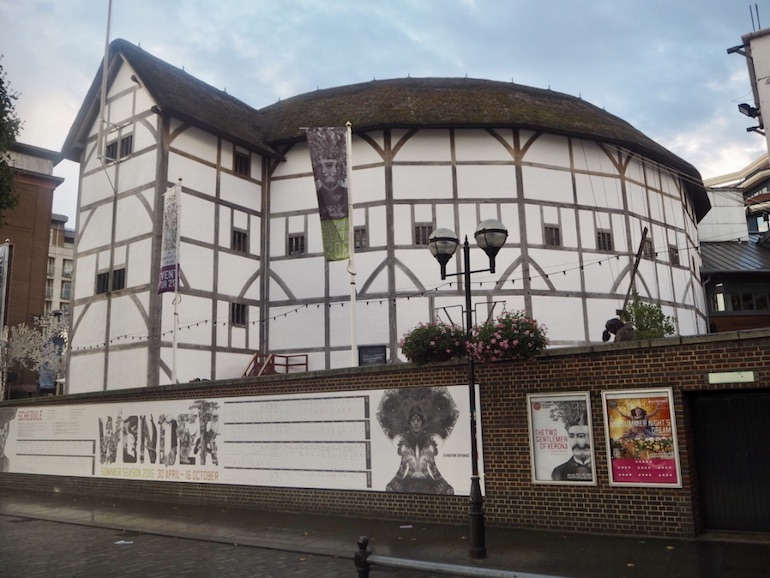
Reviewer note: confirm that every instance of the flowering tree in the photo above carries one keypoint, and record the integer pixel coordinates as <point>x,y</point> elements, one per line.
<point>40,348</point>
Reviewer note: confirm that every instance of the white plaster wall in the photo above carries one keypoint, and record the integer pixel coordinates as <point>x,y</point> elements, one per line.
<point>368,185</point>
<point>292,194</point>
<point>195,326</point>
<point>134,215</point>
<point>479,145</point>
<point>427,145</point>
<point>137,271</point>
<point>548,149</point>
<point>237,275</point>
<point>422,182</point>
<point>302,277</point>
<point>86,373</point>
<point>561,317</point>
<point>588,156</point>
<point>294,331</point>
<point>196,264</point>
<point>190,364</point>
<point>195,175</point>
<point>196,219</point>
<point>127,369</point>
<point>367,272</point>
<point>84,280</point>
<point>97,185</point>
<point>726,221</point>
<point>129,315</point>
<point>240,191</point>
<point>486,181</point>
<point>199,144</point>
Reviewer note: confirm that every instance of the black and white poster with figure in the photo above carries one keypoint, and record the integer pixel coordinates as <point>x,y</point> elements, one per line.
<point>561,438</point>
<point>406,440</point>
<point>418,419</point>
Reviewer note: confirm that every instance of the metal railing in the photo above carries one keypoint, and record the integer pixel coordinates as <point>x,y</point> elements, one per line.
<point>272,364</point>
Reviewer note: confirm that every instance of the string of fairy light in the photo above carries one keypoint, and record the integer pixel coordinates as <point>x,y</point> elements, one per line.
<point>437,290</point>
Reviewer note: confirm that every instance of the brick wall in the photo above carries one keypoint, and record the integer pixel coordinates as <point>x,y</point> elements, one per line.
<point>512,500</point>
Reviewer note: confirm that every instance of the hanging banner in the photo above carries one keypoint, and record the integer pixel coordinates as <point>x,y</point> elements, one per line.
<point>169,246</point>
<point>408,440</point>
<point>561,438</point>
<point>640,428</point>
<point>328,156</point>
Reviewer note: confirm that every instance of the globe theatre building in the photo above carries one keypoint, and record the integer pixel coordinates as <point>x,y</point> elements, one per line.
<point>574,185</point>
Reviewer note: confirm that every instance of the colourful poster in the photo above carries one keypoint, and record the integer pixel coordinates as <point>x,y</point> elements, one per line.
<point>561,438</point>
<point>641,438</point>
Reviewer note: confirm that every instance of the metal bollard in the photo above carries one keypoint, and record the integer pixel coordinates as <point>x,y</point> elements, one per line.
<point>361,558</point>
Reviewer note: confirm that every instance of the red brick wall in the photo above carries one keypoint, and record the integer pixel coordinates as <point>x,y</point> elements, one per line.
<point>512,500</point>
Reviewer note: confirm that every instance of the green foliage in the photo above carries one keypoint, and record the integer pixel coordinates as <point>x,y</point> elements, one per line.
<point>433,342</point>
<point>512,335</point>
<point>10,126</point>
<point>648,319</point>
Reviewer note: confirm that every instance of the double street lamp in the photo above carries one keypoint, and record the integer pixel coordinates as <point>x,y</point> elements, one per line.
<point>490,236</point>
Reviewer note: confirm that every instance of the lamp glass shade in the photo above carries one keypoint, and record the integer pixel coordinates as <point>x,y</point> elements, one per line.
<point>491,235</point>
<point>443,243</point>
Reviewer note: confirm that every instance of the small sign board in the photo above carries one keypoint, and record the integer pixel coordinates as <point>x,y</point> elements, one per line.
<point>372,355</point>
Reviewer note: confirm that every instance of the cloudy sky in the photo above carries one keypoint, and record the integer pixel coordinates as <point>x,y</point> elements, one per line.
<point>661,65</point>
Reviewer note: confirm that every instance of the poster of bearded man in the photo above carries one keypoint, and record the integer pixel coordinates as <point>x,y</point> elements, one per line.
<point>561,438</point>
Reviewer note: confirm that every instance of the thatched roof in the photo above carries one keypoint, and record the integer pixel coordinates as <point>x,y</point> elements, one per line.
<point>178,94</point>
<point>379,104</point>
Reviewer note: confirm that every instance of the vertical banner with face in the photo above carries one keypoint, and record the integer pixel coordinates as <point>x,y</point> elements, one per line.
<point>169,247</point>
<point>328,156</point>
<point>640,426</point>
<point>561,438</point>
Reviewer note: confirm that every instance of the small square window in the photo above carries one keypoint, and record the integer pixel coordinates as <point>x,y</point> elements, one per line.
<point>103,282</point>
<point>118,279</point>
<point>242,163</point>
<point>296,244</point>
<point>552,235</point>
<point>673,256</point>
<point>238,314</point>
<point>126,146</point>
<point>111,151</point>
<point>240,241</point>
<point>421,233</point>
<point>360,240</point>
<point>647,250</point>
<point>604,241</point>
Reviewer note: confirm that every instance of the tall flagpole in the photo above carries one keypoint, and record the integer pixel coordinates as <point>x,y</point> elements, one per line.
<point>351,247</point>
<point>178,194</point>
<point>103,95</point>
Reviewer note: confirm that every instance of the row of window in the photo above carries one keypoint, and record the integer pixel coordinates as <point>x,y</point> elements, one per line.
<point>67,267</point>
<point>740,298</point>
<point>124,147</point>
<point>119,149</point>
<point>65,290</point>
<point>604,242</point>
<point>107,281</point>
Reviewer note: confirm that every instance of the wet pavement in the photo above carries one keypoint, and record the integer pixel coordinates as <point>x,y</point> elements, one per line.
<point>61,535</point>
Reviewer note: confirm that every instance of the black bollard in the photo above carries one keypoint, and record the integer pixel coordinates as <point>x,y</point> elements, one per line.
<point>361,558</point>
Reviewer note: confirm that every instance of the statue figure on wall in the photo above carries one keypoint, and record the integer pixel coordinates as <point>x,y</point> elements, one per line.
<point>416,416</point>
<point>621,331</point>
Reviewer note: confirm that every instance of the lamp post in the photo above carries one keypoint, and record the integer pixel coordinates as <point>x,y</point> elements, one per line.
<point>490,236</point>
